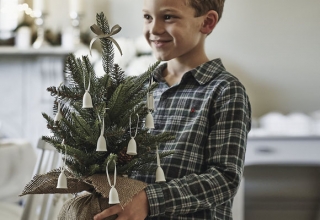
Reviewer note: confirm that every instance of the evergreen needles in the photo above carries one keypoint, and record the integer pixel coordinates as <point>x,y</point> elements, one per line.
<point>115,97</point>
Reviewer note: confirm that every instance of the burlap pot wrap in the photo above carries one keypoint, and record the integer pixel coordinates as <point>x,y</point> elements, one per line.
<point>84,207</point>
<point>47,183</point>
<point>97,185</point>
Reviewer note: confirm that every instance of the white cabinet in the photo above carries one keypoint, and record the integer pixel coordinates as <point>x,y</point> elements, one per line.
<point>282,178</point>
<point>283,150</point>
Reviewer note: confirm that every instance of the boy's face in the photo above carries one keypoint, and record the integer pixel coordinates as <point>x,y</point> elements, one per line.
<point>171,29</point>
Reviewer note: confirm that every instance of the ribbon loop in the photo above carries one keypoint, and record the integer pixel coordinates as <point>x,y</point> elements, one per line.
<point>114,176</point>
<point>114,30</point>
<point>95,29</point>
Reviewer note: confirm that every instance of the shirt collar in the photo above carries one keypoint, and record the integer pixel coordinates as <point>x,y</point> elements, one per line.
<point>202,74</point>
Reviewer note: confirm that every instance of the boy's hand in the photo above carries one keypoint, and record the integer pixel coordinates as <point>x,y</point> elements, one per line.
<point>137,209</point>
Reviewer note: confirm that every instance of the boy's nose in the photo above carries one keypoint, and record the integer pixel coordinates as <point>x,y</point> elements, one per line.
<point>156,28</point>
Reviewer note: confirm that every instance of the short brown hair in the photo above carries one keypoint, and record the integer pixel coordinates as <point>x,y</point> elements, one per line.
<point>203,6</point>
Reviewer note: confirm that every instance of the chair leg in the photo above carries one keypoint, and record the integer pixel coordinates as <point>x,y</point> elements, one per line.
<point>238,203</point>
<point>29,209</point>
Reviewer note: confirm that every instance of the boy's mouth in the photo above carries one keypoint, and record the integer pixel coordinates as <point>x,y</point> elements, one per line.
<point>159,43</point>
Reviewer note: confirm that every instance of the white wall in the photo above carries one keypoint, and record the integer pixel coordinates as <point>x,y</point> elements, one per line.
<point>272,46</point>
<point>123,12</point>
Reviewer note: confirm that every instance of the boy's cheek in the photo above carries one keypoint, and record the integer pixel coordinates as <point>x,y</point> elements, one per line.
<point>146,36</point>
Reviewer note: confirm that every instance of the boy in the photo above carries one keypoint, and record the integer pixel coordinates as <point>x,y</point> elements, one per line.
<point>204,106</point>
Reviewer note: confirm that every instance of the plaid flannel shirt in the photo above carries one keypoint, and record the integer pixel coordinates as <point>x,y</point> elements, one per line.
<point>210,114</point>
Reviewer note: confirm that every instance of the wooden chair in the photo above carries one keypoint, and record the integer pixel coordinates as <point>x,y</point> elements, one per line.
<point>44,206</point>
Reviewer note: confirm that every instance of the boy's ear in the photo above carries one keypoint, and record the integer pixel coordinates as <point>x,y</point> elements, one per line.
<point>210,21</point>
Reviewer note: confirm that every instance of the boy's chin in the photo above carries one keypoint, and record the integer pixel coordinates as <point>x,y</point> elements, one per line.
<point>161,58</point>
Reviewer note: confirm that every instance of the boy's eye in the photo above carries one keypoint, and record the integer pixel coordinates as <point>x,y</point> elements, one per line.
<point>147,17</point>
<point>167,17</point>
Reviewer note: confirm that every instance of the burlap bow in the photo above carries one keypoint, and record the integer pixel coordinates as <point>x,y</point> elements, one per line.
<point>114,30</point>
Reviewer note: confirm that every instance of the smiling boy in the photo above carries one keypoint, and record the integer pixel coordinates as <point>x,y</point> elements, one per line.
<point>204,106</point>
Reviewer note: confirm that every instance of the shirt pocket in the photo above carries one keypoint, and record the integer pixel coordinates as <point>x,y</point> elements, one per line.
<point>186,113</point>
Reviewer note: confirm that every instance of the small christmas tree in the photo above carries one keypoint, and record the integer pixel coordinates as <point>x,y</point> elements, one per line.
<point>96,120</point>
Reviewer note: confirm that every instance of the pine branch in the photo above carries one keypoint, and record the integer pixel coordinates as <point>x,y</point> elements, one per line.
<point>85,130</point>
<point>107,47</point>
<point>74,72</point>
<point>117,75</point>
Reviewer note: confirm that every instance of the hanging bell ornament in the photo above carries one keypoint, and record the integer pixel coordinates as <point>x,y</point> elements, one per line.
<point>132,147</point>
<point>113,194</point>
<point>101,144</point>
<point>87,101</point>
<point>159,172</point>
<point>58,116</point>
<point>150,101</point>
<point>62,181</point>
<point>150,104</point>
<point>150,98</point>
<point>160,175</point>
<point>149,121</point>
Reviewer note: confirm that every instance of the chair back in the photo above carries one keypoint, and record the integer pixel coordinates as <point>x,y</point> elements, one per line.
<point>43,206</point>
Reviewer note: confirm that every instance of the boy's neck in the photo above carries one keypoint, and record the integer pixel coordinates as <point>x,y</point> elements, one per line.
<point>176,68</point>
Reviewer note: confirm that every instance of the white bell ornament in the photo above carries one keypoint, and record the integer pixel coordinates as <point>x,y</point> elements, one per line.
<point>150,105</point>
<point>62,181</point>
<point>87,100</point>
<point>101,144</point>
<point>150,98</point>
<point>132,146</point>
<point>58,116</point>
<point>149,121</point>
<point>150,101</point>
<point>113,194</point>
<point>160,177</point>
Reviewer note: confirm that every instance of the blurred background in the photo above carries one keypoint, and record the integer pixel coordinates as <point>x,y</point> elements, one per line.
<point>271,46</point>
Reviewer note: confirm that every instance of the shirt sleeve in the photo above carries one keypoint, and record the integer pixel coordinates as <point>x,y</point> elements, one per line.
<point>230,122</point>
